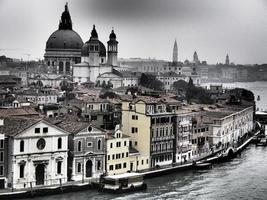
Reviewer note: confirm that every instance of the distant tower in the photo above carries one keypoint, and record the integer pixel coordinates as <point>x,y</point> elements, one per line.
<point>112,49</point>
<point>175,53</point>
<point>227,60</point>
<point>195,57</point>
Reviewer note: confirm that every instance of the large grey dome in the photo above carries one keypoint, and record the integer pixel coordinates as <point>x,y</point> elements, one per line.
<point>64,39</point>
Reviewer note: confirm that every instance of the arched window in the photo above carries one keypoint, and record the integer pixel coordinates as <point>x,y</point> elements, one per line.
<point>59,164</point>
<point>61,67</point>
<point>79,167</point>
<point>79,146</point>
<point>59,143</point>
<point>98,165</point>
<point>21,171</point>
<point>21,146</point>
<point>99,144</point>
<point>67,67</point>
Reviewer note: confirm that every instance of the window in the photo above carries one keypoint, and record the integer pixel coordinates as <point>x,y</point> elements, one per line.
<point>126,154</point>
<point>134,130</point>
<point>125,143</point>
<point>122,155</point>
<point>124,165</point>
<point>1,156</point>
<point>108,157</point>
<point>118,144</point>
<point>113,156</point>
<point>118,166</point>
<point>21,148</point>
<point>79,167</point>
<point>1,170</point>
<point>59,164</point>
<point>21,171</point>
<point>79,146</point>
<point>37,130</point>
<point>111,144</point>
<point>45,130</point>
<point>134,117</point>
<point>59,143</point>
<point>99,145</point>
<point>111,167</point>
<point>135,143</point>
<point>89,144</point>
<point>98,165</point>
<point>142,162</point>
<point>1,144</point>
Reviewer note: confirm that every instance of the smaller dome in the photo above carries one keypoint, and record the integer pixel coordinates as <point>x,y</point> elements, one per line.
<point>85,49</point>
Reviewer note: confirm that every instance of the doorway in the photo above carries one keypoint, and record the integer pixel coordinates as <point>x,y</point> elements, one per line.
<point>89,166</point>
<point>39,174</point>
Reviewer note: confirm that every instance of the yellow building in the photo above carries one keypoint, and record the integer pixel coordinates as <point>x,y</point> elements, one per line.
<point>148,123</point>
<point>122,158</point>
<point>118,161</point>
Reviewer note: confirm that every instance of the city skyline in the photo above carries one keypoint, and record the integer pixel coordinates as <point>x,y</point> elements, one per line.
<point>144,29</point>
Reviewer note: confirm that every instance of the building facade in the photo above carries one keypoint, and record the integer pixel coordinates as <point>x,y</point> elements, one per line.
<point>38,152</point>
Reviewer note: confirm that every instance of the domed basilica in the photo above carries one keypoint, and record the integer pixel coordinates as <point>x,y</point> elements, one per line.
<point>67,55</point>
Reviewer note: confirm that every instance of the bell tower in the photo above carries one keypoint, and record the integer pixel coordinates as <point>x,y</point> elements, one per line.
<point>175,53</point>
<point>112,49</point>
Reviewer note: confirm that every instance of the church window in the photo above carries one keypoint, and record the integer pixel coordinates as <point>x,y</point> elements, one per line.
<point>45,130</point>
<point>60,67</point>
<point>21,171</point>
<point>37,130</point>
<point>1,156</point>
<point>59,143</point>
<point>96,48</point>
<point>21,146</point>
<point>48,63</point>
<point>91,47</point>
<point>79,146</point>
<point>67,67</point>
<point>59,164</point>
<point>98,165</point>
<point>99,145</point>
<point>79,167</point>
<point>1,170</point>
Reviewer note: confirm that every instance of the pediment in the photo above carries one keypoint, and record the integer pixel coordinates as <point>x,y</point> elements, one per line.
<point>45,130</point>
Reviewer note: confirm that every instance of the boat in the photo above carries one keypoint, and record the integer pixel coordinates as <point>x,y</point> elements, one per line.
<point>262,142</point>
<point>123,183</point>
<point>202,166</point>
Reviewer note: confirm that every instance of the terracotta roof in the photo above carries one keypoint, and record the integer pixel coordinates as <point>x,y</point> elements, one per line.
<point>22,111</point>
<point>13,126</point>
<point>70,124</point>
<point>147,99</point>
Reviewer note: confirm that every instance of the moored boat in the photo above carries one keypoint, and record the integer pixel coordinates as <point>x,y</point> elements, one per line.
<point>262,142</point>
<point>122,183</point>
<point>203,166</point>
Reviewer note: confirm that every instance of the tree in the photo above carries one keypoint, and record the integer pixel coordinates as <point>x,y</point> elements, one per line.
<point>150,81</point>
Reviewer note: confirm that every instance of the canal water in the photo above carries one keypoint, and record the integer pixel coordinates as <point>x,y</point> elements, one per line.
<point>244,177</point>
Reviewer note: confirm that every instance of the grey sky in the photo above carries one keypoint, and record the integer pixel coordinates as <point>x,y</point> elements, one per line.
<point>144,28</point>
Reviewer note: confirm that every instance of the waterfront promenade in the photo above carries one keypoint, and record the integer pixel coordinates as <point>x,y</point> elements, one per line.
<point>215,156</point>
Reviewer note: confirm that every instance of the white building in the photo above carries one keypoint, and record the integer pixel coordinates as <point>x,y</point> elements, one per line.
<point>229,125</point>
<point>38,152</point>
<point>94,62</point>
